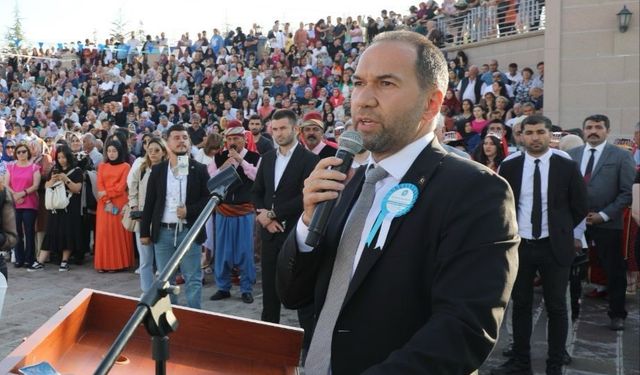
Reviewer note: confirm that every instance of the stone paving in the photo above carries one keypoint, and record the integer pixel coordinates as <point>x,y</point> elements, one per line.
<point>32,298</point>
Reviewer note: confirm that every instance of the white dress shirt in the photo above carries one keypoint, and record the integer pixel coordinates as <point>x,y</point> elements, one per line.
<point>525,202</point>
<point>397,166</point>
<point>596,158</point>
<point>281,164</point>
<point>469,91</point>
<point>176,196</point>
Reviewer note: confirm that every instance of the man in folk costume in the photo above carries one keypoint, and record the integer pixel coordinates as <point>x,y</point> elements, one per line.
<point>235,216</point>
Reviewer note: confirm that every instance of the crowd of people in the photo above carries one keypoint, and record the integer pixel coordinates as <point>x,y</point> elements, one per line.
<point>131,138</point>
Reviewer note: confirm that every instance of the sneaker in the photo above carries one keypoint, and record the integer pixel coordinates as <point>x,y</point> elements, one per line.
<point>36,266</point>
<point>64,267</point>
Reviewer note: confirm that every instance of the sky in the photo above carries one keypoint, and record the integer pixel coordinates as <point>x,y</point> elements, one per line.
<point>61,21</point>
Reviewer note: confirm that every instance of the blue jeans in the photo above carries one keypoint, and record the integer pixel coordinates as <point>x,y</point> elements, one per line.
<point>26,227</point>
<point>146,264</point>
<point>189,266</point>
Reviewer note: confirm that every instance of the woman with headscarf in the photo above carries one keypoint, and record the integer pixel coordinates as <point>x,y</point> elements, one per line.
<point>8,149</point>
<point>113,244</point>
<point>469,137</point>
<point>62,232</point>
<point>88,200</point>
<point>452,102</point>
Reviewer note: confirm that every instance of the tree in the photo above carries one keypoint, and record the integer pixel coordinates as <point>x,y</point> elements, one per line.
<point>118,27</point>
<point>15,34</point>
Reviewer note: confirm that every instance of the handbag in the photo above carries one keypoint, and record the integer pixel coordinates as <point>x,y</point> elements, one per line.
<point>56,196</point>
<point>127,222</point>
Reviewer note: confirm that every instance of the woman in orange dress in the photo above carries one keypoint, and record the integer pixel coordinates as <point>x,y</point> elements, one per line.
<point>114,244</point>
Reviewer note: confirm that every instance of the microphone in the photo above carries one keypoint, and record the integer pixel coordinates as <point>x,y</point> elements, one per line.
<point>349,144</point>
<point>220,183</point>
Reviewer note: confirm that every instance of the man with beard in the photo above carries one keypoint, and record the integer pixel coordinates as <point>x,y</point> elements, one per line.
<point>551,200</point>
<point>312,133</point>
<point>235,216</point>
<point>277,195</point>
<point>406,279</point>
<point>608,172</point>
<point>263,143</point>
<point>172,207</point>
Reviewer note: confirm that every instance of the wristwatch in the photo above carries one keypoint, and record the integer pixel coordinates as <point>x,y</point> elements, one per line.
<point>271,214</point>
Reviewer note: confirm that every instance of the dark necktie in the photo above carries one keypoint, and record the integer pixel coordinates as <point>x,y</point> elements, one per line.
<point>589,169</point>
<point>536,211</point>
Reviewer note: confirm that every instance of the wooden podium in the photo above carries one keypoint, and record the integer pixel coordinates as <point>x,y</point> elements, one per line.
<point>78,336</point>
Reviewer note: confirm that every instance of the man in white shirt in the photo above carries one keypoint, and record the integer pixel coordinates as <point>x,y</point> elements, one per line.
<point>608,172</point>
<point>277,196</point>
<point>551,200</point>
<point>404,271</point>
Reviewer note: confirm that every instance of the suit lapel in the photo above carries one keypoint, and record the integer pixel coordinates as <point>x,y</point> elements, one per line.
<point>162,182</point>
<point>419,175</point>
<point>551,182</point>
<point>516,177</point>
<point>269,163</point>
<point>289,168</point>
<point>606,152</point>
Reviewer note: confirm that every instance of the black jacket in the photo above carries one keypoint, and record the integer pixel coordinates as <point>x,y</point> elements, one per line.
<point>431,300</point>
<point>286,200</point>
<point>197,198</point>
<point>566,201</point>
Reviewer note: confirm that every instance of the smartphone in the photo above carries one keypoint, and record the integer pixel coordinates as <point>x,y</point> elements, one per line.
<point>183,165</point>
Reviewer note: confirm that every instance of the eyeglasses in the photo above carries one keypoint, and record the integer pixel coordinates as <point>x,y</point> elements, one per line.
<point>21,152</point>
<point>12,147</point>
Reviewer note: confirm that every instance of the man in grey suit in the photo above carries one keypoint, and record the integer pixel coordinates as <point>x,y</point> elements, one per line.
<point>608,172</point>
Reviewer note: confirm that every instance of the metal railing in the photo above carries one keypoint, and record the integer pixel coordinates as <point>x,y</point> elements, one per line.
<point>490,20</point>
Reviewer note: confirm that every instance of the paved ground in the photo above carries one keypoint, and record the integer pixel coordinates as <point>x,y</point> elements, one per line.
<point>34,297</point>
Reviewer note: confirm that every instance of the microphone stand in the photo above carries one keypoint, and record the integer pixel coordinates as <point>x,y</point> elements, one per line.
<point>154,308</point>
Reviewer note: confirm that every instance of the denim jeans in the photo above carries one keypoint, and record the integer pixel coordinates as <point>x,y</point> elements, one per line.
<point>189,266</point>
<point>145,253</point>
<point>26,227</point>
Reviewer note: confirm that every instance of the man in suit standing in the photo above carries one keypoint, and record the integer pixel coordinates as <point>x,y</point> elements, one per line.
<point>420,289</point>
<point>608,172</point>
<point>172,206</point>
<point>277,196</point>
<point>551,200</point>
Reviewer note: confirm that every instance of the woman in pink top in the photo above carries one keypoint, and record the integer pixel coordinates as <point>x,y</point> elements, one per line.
<point>22,180</point>
<point>479,119</point>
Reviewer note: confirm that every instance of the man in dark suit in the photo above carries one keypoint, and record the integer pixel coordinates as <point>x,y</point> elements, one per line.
<point>425,290</point>
<point>470,87</point>
<point>172,206</point>
<point>551,200</point>
<point>277,196</point>
<point>608,172</point>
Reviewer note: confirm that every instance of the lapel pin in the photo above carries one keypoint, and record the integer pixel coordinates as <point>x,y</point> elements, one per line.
<point>421,181</point>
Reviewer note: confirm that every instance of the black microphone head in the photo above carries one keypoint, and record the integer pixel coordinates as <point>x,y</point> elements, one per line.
<point>350,141</point>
